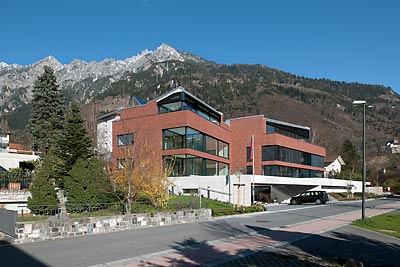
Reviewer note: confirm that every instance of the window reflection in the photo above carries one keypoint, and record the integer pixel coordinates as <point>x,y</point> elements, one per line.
<point>270,153</point>
<point>186,164</point>
<point>186,137</point>
<point>284,171</point>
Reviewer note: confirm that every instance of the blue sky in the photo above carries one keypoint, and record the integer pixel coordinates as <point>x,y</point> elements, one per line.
<point>336,39</point>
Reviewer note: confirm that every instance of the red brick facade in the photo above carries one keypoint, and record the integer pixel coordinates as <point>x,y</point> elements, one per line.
<point>146,123</point>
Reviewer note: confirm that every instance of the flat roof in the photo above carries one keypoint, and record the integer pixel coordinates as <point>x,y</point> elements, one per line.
<point>270,120</point>
<point>108,114</point>
<point>287,124</point>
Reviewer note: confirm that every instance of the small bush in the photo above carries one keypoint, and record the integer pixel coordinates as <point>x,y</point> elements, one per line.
<point>238,210</point>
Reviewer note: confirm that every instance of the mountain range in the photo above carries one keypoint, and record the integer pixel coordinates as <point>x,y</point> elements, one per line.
<point>236,90</point>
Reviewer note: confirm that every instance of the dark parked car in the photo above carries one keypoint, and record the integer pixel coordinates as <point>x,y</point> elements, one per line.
<point>317,197</point>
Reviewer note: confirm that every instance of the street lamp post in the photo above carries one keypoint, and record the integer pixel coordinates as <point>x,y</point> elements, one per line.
<point>363,102</point>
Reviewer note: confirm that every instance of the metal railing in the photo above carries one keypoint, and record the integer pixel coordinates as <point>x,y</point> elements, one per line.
<point>76,210</point>
<point>22,180</point>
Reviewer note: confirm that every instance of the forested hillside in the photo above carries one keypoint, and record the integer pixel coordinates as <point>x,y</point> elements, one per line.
<point>236,90</point>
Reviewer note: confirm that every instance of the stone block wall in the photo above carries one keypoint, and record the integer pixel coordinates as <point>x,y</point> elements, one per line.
<point>53,228</point>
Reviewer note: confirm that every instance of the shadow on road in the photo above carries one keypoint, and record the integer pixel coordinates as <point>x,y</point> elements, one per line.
<point>301,250</point>
<point>245,251</point>
<point>345,242</point>
<point>11,255</point>
<point>189,252</point>
<point>351,242</point>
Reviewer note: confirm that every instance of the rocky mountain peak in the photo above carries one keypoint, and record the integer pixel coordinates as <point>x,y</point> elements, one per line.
<point>78,76</point>
<point>167,52</point>
<point>3,65</point>
<point>51,62</point>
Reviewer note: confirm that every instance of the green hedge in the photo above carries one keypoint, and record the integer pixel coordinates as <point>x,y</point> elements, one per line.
<point>234,211</point>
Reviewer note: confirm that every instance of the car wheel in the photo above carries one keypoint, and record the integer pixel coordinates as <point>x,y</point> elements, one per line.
<point>293,202</point>
<point>318,202</point>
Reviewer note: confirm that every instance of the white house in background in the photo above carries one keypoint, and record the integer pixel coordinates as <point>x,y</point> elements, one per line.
<point>333,165</point>
<point>393,146</point>
<point>11,155</point>
<point>104,134</point>
<point>104,129</point>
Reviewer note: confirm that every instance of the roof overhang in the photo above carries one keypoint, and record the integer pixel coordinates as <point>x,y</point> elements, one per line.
<point>287,124</point>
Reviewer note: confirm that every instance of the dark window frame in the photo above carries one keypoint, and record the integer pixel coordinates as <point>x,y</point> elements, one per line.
<point>130,138</point>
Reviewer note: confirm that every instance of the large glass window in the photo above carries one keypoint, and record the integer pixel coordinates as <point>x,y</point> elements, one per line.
<point>223,149</point>
<point>211,167</point>
<point>248,157</point>
<point>183,101</point>
<point>125,139</point>
<point>174,106</point>
<point>187,164</point>
<point>249,169</point>
<point>223,168</point>
<point>203,114</point>
<point>186,137</point>
<point>174,138</point>
<point>287,130</point>
<point>194,139</point>
<point>270,153</point>
<point>284,171</point>
<point>211,145</point>
<point>194,165</point>
<point>178,162</point>
<point>317,161</point>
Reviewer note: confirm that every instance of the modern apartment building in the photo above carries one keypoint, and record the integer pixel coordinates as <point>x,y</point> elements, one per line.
<point>218,156</point>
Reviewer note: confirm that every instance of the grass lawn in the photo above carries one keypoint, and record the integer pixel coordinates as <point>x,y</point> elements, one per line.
<point>218,208</point>
<point>205,203</point>
<point>388,224</point>
<point>180,202</point>
<point>97,213</point>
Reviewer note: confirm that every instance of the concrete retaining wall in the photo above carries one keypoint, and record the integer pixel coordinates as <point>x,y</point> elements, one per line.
<point>374,190</point>
<point>63,228</point>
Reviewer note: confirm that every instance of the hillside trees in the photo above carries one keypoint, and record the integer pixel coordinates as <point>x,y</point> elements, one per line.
<point>47,111</point>
<point>351,157</point>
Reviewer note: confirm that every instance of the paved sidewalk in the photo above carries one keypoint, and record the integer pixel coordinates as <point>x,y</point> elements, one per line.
<point>255,249</point>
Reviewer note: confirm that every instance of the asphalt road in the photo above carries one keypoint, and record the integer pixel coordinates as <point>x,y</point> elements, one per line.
<point>102,248</point>
<point>371,248</point>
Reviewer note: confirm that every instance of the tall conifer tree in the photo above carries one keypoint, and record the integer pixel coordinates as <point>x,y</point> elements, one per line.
<point>87,184</point>
<point>47,114</point>
<point>74,143</point>
<point>44,199</point>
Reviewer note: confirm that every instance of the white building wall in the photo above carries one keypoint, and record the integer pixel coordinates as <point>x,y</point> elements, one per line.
<point>241,195</point>
<point>11,160</point>
<point>104,136</point>
<point>333,167</point>
<point>4,141</point>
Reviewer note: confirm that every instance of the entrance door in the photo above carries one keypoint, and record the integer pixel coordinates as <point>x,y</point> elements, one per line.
<point>263,193</point>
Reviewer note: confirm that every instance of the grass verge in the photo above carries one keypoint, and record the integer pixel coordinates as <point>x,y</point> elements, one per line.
<point>388,224</point>
<point>31,218</point>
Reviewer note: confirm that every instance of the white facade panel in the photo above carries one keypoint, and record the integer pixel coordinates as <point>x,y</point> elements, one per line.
<point>240,191</point>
